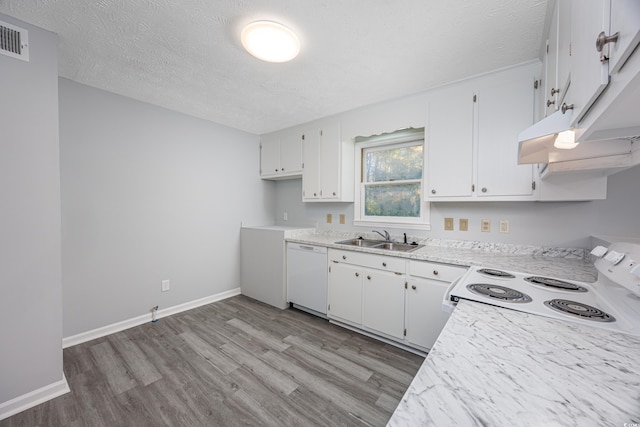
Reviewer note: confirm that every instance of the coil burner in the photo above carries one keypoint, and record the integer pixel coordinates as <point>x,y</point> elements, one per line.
<point>548,282</point>
<point>498,292</point>
<point>496,273</point>
<point>580,310</point>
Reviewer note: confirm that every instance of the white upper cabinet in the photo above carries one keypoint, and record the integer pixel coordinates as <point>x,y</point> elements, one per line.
<point>449,142</point>
<point>281,155</point>
<point>625,22</point>
<point>590,74</point>
<point>556,57</point>
<point>550,83</point>
<point>472,142</point>
<point>504,109</point>
<point>328,174</point>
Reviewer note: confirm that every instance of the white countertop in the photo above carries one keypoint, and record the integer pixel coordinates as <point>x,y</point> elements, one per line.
<point>499,367</point>
<point>571,264</point>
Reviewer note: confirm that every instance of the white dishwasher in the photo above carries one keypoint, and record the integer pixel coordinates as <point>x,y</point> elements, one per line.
<point>307,277</point>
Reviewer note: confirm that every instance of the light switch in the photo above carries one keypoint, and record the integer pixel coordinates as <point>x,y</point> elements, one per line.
<point>464,224</point>
<point>342,218</point>
<point>448,224</point>
<point>329,218</point>
<point>504,226</point>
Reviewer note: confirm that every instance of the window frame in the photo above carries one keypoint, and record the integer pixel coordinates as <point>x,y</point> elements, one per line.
<point>382,142</point>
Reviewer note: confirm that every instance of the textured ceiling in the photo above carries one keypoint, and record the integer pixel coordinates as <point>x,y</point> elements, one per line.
<point>186,55</point>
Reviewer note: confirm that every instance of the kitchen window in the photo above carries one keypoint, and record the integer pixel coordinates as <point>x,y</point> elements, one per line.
<point>390,170</point>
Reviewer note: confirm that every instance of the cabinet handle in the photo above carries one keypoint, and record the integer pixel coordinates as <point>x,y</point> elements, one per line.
<point>357,274</point>
<point>550,103</point>
<point>566,107</point>
<point>344,257</point>
<point>484,189</point>
<point>334,193</point>
<point>554,91</point>
<point>276,170</point>
<point>368,277</point>
<point>435,272</point>
<point>282,169</point>
<point>413,287</point>
<point>604,39</point>
<point>315,194</point>
<point>433,191</point>
<point>384,264</point>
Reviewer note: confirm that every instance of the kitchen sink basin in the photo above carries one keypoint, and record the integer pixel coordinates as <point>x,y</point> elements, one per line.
<point>377,244</point>
<point>400,247</point>
<point>365,243</point>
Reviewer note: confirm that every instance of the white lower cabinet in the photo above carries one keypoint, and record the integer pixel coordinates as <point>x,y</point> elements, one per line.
<point>345,293</point>
<point>427,284</point>
<point>383,302</point>
<point>390,297</point>
<point>424,316</point>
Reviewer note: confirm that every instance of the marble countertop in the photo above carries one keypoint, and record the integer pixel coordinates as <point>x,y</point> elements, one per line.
<point>571,264</point>
<point>499,367</point>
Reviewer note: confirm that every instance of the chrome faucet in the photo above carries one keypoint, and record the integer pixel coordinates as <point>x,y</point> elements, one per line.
<point>386,235</point>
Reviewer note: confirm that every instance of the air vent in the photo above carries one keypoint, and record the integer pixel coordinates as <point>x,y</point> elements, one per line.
<point>14,41</point>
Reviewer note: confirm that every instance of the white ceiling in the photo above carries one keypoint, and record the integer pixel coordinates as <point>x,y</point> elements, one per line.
<point>186,55</point>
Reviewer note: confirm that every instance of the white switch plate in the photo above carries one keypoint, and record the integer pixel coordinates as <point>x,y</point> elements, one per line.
<point>485,225</point>
<point>504,226</point>
<point>285,216</point>
<point>166,285</point>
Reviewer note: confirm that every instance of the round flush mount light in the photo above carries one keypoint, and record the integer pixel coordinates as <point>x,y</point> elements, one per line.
<point>270,41</point>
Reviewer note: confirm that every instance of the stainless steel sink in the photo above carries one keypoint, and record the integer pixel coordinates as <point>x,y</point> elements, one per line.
<point>400,247</point>
<point>365,243</point>
<point>377,244</point>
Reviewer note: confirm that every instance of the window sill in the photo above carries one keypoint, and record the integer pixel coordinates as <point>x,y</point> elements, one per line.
<point>402,225</point>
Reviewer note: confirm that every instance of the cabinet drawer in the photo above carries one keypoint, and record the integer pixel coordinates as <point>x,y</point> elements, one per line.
<point>432,270</point>
<point>379,262</point>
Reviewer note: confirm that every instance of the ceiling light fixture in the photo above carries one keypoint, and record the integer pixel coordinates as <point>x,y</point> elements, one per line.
<point>270,41</point>
<point>566,140</point>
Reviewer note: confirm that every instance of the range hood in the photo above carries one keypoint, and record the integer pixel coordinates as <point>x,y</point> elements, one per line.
<point>536,145</point>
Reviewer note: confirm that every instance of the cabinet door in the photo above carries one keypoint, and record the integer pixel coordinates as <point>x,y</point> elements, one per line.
<point>503,111</point>
<point>625,19</point>
<point>269,155</point>
<point>311,171</point>
<point>345,293</point>
<point>551,83</point>
<point>424,316</point>
<point>589,75</point>
<point>449,142</point>
<point>564,48</point>
<point>291,152</point>
<point>330,161</point>
<point>383,302</point>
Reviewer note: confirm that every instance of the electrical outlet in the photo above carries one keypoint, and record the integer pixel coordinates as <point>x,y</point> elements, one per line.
<point>448,224</point>
<point>485,225</point>
<point>342,218</point>
<point>464,224</point>
<point>166,285</point>
<point>285,216</point>
<point>504,226</point>
<point>329,218</point>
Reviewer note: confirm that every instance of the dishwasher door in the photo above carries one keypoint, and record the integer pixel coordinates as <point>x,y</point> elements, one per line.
<point>307,277</point>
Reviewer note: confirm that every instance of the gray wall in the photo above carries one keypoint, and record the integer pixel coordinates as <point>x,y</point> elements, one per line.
<point>560,224</point>
<point>30,278</point>
<point>149,194</point>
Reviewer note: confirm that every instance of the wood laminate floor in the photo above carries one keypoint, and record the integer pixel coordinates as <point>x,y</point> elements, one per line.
<point>233,362</point>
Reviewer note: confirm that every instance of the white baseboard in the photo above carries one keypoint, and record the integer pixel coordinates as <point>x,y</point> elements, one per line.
<point>33,398</point>
<point>139,320</point>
